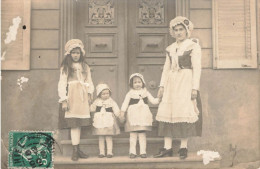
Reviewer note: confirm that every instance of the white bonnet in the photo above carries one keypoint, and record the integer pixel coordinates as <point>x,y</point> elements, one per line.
<point>137,75</point>
<point>181,20</point>
<point>74,43</point>
<point>100,87</point>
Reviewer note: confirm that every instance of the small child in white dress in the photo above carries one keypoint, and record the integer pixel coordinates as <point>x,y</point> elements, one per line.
<point>138,117</point>
<point>104,121</point>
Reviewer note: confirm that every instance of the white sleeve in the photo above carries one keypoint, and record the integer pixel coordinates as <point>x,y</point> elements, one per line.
<point>116,109</point>
<point>125,103</point>
<point>62,86</point>
<point>196,66</point>
<point>166,68</point>
<point>152,99</point>
<point>89,81</point>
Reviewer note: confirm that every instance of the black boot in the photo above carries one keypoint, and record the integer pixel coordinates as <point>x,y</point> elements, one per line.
<point>75,155</point>
<point>80,153</point>
<point>164,153</point>
<point>183,153</point>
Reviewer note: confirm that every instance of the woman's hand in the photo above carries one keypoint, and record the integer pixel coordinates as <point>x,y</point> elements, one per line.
<point>90,98</point>
<point>65,106</point>
<point>194,94</point>
<point>160,93</point>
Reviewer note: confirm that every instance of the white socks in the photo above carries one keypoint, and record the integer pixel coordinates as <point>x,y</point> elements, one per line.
<point>133,140</point>
<point>109,145</point>
<point>167,143</point>
<point>75,135</point>
<point>142,142</point>
<point>101,144</point>
<point>184,142</point>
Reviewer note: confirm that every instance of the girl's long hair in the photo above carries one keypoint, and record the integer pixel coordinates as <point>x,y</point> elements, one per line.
<point>67,63</point>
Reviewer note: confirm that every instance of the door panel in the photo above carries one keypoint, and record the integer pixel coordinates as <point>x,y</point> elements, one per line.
<point>101,45</point>
<point>104,38</point>
<point>109,74</point>
<point>122,37</point>
<point>148,37</point>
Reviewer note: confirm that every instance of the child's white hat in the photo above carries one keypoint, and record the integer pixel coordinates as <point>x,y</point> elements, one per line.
<point>137,75</point>
<point>181,20</point>
<point>100,87</point>
<point>74,43</point>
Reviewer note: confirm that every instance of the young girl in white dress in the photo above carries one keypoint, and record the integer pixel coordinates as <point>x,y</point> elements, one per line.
<point>138,115</point>
<point>104,122</point>
<point>75,90</point>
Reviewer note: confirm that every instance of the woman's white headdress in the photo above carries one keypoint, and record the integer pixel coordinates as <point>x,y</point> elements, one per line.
<point>181,20</point>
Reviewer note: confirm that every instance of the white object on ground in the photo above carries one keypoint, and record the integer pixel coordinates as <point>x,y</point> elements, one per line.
<point>208,156</point>
<point>21,81</point>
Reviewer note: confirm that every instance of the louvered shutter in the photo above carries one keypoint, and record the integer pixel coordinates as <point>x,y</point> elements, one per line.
<point>15,32</point>
<point>234,34</point>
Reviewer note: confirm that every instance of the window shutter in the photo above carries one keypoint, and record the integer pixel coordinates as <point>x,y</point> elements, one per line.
<point>15,41</point>
<point>234,34</point>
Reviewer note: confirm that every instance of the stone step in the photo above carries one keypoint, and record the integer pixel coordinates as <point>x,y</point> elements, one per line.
<point>117,162</point>
<point>86,133</point>
<point>120,146</point>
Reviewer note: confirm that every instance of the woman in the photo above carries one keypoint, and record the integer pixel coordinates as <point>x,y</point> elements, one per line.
<point>179,113</point>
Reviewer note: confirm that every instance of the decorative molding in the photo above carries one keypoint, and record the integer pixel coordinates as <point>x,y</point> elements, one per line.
<point>101,12</point>
<point>67,23</point>
<point>182,8</point>
<point>101,45</point>
<point>151,12</point>
<point>151,45</point>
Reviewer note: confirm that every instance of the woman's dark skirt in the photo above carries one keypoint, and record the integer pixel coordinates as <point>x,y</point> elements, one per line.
<point>182,130</point>
<point>65,123</point>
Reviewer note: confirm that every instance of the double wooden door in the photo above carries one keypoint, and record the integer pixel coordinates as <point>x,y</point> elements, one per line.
<point>122,37</point>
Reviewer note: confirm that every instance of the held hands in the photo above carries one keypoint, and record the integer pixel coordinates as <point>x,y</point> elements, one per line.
<point>65,106</point>
<point>121,117</point>
<point>160,93</point>
<point>194,94</point>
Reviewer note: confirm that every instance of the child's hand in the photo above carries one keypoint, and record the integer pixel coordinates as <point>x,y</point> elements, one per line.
<point>65,106</point>
<point>122,117</point>
<point>160,93</point>
<point>159,99</point>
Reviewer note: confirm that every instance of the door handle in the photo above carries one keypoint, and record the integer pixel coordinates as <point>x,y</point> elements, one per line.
<point>152,85</point>
<point>111,69</point>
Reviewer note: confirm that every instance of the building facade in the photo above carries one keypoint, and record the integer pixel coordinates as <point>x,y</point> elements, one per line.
<point>126,36</point>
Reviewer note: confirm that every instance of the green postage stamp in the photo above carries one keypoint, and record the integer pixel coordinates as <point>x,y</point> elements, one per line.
<point>30,149</point>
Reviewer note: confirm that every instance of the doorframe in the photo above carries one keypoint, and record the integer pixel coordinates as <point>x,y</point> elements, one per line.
<point>67,23</point>
<point>182,7</point>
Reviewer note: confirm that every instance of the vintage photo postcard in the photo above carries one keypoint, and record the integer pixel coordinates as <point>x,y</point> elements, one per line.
<point>130,84</point>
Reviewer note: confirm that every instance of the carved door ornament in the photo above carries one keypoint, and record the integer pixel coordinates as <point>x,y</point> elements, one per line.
<point>151,12</point>
<point>101,12</point>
